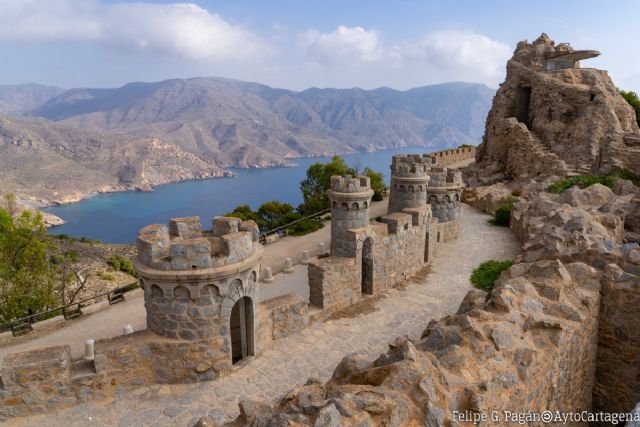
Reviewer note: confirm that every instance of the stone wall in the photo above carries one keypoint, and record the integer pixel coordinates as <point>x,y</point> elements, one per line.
<point>281,317</point>
<point>617,386</point>
<point>396,248</point>
<point>455,155</point>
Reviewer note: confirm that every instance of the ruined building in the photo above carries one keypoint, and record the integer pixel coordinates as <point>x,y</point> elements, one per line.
<point>551,117</point>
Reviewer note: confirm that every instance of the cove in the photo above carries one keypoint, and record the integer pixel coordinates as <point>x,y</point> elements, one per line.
<point>117,217</point>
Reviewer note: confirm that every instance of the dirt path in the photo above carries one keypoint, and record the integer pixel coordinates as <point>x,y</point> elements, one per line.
<point>315,351</point>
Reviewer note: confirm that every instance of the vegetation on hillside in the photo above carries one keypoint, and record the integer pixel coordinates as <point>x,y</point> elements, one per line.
<point>633,100</point>
<point>502,215</point>
<point>485,275</point>
<point>582,181</point>
<point>28,280</point>
<point>120,263</point>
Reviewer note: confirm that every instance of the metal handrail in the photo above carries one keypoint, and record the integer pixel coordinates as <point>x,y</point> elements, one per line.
<point>284,227</point>
<point>9,325</point>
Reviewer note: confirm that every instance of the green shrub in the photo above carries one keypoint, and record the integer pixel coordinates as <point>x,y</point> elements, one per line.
<point>502,215</point>
<point>305,226</point>
<point>486,274</point>
<point>120,263</point>
<point>582,181</point>
<point>626,174</point>
<point>106,276</point>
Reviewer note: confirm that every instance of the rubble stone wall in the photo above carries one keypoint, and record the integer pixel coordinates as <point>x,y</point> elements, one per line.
<point>455,155</point>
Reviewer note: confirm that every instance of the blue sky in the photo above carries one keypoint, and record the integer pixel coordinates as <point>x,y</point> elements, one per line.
<point>299,44</point>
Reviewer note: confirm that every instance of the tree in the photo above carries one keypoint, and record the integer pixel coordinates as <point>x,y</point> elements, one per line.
<point>633,100</point>
<point>377,182</point>
<point>274,214</point>
<point>314,187</point>
<point>27,279</point>
<point>243,212</point>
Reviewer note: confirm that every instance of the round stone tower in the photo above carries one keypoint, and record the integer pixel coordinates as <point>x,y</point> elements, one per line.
<point>350,199</point>
<point>444,194</point>
<point>201,285</point>
<point>409,179</point>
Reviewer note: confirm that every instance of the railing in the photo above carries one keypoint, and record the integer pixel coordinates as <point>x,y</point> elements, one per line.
<point>282,230</point>
<point>70,311</point>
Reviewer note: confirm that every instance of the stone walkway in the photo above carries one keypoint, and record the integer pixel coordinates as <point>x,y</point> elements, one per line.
<point>312,353</point>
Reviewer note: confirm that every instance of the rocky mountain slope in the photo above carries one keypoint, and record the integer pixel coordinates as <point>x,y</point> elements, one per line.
<point>233,123</point>
<point>47,162</point>
<point>561,122</point>
<point>19,99</point>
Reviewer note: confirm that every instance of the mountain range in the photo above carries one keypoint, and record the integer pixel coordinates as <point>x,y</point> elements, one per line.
<point>211,124</point>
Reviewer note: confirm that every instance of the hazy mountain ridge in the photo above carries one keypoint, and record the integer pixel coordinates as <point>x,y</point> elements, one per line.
<point>50,162</point>
<point>82,141</point>
<point>19,99</point>
<point>234,123</point>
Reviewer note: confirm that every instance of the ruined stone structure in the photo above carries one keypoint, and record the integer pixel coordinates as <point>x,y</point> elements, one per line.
<point>544,107</point>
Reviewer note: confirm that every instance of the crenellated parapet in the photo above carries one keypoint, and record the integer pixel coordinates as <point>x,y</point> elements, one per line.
<point>183,245</point>
<point>350,199</point>
<point>192,278</point>
<point>409,180</point>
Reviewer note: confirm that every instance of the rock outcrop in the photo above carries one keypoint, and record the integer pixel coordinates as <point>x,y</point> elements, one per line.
<point>555,122</point>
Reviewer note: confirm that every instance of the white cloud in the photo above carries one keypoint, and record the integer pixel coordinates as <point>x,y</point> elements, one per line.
<point>179,29</point>
<point>463,50</point>
<point>344,45</point>
<point>458,55</point>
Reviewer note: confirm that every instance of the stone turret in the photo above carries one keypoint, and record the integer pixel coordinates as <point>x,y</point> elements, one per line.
<point>350,199</point>
<point>444,195</point>
<point>409,180</point>
<point>192,278</point>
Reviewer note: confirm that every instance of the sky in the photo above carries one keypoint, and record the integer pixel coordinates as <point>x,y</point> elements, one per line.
<point>298,44</point>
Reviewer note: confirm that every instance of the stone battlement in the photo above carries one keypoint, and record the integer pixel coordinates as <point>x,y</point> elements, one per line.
<point>444,177</point>
<point>448,157</point>
<point>183,245</point>
<point>412,165</point>
<point>347,184</point>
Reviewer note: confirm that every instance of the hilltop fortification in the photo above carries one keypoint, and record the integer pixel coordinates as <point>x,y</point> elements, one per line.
<point>552,117</point>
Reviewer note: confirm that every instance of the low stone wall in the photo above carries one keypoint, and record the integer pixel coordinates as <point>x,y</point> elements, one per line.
<point>617,387</point>
<point>448,230</point>
<point>448,157</point>
<point>334,283</point>
<point>281,317</point>
<point>143,358</point>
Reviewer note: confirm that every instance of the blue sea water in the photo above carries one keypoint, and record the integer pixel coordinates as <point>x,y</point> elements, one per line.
<point>117,217</point>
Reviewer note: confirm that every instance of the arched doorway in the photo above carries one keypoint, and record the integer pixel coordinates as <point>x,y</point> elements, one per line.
<point>426,247</point>
<point>241,329</point>
<point>367,267</point>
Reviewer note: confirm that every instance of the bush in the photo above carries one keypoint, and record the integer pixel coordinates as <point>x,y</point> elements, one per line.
<point>486,274</point>
<point>377,196</point>
<point>106,276</point>
<point>120,263</point>
<point>628,175</point>
<point>633,100</point>
<point>305,226</point>
<point>582,181</point>
<point>502,215</point>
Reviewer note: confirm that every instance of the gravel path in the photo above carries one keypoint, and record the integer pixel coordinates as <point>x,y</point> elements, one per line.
<point>313,352</point>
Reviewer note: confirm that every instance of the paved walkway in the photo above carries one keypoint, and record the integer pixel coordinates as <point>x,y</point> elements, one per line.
<point>313,352</point>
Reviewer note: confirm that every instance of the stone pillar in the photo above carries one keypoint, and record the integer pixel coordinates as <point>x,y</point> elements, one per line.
<point>409,180</point>
<point>350,199</point>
